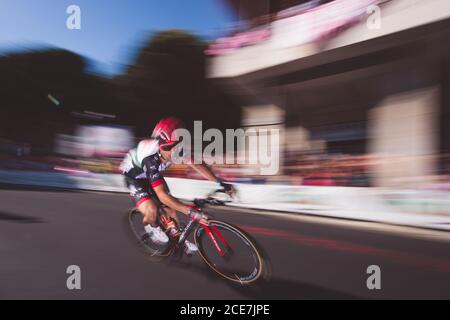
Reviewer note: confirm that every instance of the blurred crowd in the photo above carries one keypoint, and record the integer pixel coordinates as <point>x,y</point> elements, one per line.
<point>327,18</point>
<point>308,169</point>
<point>331,170</point>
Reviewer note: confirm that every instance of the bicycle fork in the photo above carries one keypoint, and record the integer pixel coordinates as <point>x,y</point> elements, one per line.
<point>210,231</point>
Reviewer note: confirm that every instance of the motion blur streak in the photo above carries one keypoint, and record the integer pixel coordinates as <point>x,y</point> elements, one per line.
<point>395,256</point>
<point>358,92</point>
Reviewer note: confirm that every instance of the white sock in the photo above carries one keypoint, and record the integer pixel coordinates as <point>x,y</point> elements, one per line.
<point>149,228</point>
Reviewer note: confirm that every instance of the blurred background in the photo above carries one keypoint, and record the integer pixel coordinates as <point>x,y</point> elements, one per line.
<point>359,89</point>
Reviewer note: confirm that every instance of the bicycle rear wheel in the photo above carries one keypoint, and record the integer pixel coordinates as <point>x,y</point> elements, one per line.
<point>135,229</point>
<point>229,252</point>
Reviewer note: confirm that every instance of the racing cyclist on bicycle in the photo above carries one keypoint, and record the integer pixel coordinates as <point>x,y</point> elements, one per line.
<point>143,167</point>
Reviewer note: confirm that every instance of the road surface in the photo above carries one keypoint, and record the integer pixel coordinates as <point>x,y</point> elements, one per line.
<point>44,232</point>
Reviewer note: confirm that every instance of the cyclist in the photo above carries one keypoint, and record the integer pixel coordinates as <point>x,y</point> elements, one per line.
<point>143,167</point>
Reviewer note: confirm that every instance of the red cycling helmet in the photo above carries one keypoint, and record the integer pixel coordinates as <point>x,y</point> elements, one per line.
<point>164,130</point>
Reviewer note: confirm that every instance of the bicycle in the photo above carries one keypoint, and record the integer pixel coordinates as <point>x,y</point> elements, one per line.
<point>224,244</point>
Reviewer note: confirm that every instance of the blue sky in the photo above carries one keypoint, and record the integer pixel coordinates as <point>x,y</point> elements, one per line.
<point>111,30</point>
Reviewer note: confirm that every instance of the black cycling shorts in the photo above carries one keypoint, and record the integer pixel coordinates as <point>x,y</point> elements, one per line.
<point>141,190</point>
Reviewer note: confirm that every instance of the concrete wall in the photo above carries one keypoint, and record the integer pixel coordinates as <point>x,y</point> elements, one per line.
<point>396,16</point>
<point>265,117</point>
<point>404,133</point>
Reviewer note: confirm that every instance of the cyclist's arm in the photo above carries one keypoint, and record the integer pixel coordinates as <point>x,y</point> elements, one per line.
<point>156,181</point>
<point>177,205</point>
<point>170,201</point>
<point>205,171</point>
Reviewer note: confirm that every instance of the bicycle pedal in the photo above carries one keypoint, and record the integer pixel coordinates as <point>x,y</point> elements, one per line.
<point>145,237</point>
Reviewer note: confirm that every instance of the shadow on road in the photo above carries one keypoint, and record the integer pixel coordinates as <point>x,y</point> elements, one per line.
<point>281,289</point>
<point>274,289</point>
<point>13,217</point>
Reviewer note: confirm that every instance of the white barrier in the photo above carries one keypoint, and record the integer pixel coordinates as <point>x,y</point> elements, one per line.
<point>367,204</point>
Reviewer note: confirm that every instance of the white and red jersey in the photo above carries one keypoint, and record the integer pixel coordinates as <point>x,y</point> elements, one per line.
<point>144,162</point>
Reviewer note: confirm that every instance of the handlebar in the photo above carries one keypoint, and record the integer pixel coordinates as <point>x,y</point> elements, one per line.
<point>200,203</point>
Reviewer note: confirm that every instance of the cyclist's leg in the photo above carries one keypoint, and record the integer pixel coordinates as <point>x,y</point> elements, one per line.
<point>169,211</point>
<point>143,200</point>
<point>149,210</point>
<point>172,214</point>
<point>190,248</point>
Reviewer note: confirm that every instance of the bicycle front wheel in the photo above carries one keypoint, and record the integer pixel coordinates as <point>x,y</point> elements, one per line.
<point>229,252</point>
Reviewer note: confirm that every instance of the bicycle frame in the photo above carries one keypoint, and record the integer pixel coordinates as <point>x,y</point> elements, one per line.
<point>186,232</point>
<point>210,231</point>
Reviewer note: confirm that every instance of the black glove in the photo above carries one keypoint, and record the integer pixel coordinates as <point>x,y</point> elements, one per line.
<point>226,186</point>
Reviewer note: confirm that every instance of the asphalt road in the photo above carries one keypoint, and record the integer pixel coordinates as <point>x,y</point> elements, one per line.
<point>44,232</point>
